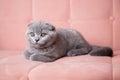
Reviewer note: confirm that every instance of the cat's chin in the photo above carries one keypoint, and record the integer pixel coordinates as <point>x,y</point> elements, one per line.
<point>37,46</point>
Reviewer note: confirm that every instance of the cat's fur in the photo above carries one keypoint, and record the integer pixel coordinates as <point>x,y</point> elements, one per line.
<point>57,43</point>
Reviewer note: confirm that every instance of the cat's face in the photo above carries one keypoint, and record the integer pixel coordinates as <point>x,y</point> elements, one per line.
<point>41,34</point>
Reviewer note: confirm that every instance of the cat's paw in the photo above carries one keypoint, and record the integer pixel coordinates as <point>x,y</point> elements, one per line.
<point>27,54</point>
<point>71,53</point>
<point>33,57</point>
<point>38,57</point>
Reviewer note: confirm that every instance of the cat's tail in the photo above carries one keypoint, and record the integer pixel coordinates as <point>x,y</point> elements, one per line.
<point>101,51</point>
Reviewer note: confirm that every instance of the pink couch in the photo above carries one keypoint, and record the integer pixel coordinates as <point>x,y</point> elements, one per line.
<point>97,20</point>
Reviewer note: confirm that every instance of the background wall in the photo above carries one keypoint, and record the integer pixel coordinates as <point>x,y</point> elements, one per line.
<point>97,20</point>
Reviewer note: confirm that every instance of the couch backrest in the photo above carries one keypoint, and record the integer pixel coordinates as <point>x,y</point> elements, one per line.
<point>97,20</point>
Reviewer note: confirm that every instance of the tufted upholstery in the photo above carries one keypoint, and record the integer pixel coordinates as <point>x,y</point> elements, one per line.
<point>97,20</point>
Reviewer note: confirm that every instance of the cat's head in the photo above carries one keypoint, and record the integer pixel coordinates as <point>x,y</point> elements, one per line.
<point>41,34</point>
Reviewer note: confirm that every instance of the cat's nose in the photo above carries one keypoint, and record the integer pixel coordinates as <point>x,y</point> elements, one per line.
<point>36,40</point>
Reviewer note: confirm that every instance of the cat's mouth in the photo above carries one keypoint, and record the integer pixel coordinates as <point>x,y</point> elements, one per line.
<point>37,45</point>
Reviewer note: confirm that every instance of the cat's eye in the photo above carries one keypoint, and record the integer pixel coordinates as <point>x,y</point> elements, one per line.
<point>32,34</point>
<point>43,34</point>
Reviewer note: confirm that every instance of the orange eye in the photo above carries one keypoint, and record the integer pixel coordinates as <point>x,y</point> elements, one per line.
<point>32,34</point>
<point>43,34</point>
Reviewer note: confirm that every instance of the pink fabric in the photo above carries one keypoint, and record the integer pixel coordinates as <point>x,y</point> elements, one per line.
<point>116,67</point>
<point>15,67</point>
<point>75,68</point>
<point>101,16</point>
<point>97,20</point>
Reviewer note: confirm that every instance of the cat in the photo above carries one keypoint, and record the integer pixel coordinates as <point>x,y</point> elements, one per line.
<point>47,44</point>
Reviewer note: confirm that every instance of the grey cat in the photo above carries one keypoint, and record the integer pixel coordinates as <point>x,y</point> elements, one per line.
<point>47,44</point>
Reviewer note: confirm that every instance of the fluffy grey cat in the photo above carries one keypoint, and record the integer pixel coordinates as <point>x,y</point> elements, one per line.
<point>46,43</point>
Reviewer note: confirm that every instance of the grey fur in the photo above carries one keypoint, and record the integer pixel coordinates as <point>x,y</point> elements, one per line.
<point>58,43</point>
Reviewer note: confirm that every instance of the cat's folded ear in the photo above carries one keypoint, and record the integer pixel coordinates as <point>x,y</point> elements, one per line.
<point>52,28</point>
<point>29,24</point>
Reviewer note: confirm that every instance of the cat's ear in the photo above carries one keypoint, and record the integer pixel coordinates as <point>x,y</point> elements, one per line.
<point>51,27</point>
<point>29,24</point>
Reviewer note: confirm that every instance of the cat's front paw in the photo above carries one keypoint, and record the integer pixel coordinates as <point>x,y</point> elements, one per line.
<point>71,53</point>
<point>38,57</point>
<point>27,54</point>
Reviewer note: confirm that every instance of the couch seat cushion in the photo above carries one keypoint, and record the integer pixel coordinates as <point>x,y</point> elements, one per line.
<point>74,68</point>
<point>13,66</point>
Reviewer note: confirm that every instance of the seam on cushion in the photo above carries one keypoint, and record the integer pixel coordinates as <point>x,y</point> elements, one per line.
<point>31,10</point>
<point>112,41</point>
<point>70,12</point>
<point>112,68</point>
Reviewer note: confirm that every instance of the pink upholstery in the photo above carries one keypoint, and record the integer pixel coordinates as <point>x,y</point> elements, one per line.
<point>97,20</point>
